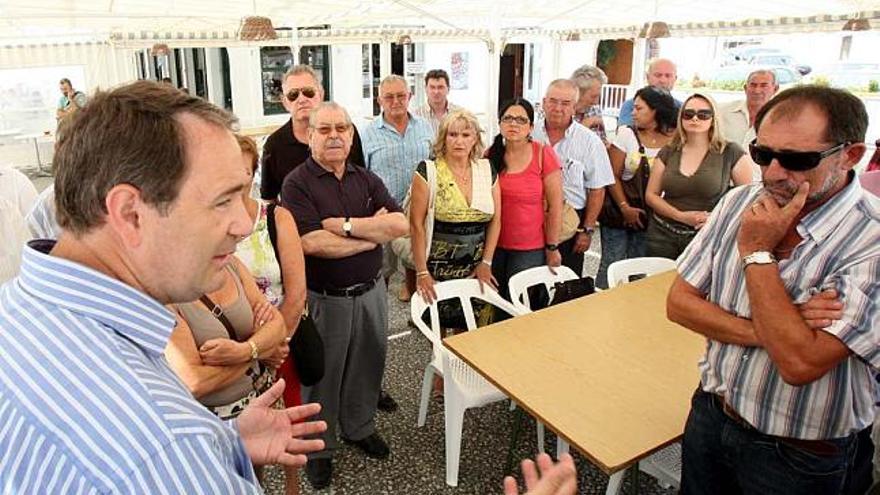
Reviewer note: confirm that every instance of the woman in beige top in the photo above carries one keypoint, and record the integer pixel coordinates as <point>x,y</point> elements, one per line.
<point>689,176</point>
<point>224,372</point>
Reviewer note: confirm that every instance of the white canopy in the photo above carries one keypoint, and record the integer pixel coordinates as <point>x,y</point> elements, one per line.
<point>24,22</point>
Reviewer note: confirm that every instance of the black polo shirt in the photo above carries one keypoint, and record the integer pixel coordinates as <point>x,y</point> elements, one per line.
<point>312,194</point>
<point>283,153</point>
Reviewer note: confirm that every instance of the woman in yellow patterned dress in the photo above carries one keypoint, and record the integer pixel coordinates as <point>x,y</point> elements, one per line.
<point>467,213</point>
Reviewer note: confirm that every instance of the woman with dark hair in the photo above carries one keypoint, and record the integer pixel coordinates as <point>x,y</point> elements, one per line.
<point>689,176</point>
<point>529,176</point>
<point>654,121</point>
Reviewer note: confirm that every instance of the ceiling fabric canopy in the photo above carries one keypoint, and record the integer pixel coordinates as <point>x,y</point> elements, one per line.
<point>212,22</point>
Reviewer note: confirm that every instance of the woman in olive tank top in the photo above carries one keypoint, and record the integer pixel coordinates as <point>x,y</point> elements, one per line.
<point>689,176</point>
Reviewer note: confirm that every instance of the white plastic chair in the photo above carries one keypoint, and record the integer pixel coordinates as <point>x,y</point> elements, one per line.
<point>664,465</point>
<point>620,271</point>
<point>519,286</point>
<point>463,388</point>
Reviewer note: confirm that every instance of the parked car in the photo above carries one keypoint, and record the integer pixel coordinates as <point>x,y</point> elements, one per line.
<point>734,76</point>
<point>856,75</point>
<point>779,59</point>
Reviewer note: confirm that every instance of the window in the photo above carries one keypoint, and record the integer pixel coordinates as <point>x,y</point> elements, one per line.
<point>274,62</point>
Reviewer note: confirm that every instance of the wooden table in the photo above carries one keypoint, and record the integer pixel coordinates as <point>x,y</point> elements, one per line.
<point>608,372</point>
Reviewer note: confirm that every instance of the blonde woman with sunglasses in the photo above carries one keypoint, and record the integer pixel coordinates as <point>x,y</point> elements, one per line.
<point>689,176</point>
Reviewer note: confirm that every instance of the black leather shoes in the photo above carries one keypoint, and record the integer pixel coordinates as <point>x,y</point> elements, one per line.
<point>386,402</point>
<point>319,472</point>
<point>373,446</point>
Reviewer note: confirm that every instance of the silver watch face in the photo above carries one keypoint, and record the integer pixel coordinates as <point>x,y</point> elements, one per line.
<point>346,226</point>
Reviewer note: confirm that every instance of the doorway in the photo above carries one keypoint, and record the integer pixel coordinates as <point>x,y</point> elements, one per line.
<point>510,75</point>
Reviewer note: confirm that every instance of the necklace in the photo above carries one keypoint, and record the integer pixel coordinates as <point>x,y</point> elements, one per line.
<point>463,178</point>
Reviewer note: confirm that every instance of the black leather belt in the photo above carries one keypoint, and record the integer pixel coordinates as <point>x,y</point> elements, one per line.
<point>351,291</point>
<point>818,447</point>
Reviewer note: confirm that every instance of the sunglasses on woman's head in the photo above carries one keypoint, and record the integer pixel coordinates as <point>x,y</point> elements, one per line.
<point>294,93</point>
<point>797,161</point>
<point>690,113</point>
<point>509,119</point>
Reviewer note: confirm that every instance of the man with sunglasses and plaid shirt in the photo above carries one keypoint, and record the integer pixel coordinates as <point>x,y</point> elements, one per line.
<point>784,282</point>
<point>288,147</point>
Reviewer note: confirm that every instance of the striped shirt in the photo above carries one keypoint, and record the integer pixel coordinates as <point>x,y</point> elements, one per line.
<point>88,403</point>
<point>394,157</point>
<point>840,250</point>
<point>585,163</point>
<point>41,220</point>
<point>426,113</point>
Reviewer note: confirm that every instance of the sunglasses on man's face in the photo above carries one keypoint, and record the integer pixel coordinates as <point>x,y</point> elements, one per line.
<point>307,91</point>
<point>690,113</point>
<point>797,161</point>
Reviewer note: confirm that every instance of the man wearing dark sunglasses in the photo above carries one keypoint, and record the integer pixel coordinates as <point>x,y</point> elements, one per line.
<point>783,281</point>
<point>288,147</point>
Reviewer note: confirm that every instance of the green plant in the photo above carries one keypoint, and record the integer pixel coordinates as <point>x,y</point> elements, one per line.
<point>605,53</point>
<point>873,86</point>
<point>820,81</point>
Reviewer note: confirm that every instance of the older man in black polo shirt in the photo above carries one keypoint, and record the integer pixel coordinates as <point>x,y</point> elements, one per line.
<point>288,147</point>
<point>344,215</point>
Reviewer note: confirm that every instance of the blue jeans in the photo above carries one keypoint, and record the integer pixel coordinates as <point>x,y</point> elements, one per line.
<point>720,455</point>
<point>618,244</point>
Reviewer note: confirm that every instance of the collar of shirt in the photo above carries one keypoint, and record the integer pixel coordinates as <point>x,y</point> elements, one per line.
<point>823,220</point>
<point>540,131</point>
<point>315,168</point>
<point>381,123</point>
<point>79,289</point>
<point>286,133</point>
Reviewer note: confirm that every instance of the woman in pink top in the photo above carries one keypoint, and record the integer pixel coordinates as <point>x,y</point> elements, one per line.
<point>529,175</point>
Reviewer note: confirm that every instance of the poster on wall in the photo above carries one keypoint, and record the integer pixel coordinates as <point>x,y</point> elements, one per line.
<point>459,70</point>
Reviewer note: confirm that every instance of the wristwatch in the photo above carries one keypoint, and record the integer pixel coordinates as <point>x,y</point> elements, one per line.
<point>759,258</point>
<point>585,230</point>
<point>346,227</point>
<point>551,247</point>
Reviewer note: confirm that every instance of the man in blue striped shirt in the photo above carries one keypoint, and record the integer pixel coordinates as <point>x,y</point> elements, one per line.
<point>148,188</point>
<point>785,392</point>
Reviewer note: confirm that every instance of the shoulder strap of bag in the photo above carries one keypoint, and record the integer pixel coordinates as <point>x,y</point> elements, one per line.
<point>273,235</point>
<point>217,311</point>
<point>541,158</point>
<point>643,160</point>
<point>431,173</point>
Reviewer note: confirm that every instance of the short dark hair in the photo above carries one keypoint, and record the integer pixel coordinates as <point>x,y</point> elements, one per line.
<point>66,81</point>
<point>437,74</point>
<point>129,135</point>
<point>663,104</point>
<point>846,120</point>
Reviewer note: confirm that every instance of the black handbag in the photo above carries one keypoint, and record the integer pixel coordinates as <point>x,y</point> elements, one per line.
<point>306,345</point>
<point>634,191</point>
<point>572,289</point>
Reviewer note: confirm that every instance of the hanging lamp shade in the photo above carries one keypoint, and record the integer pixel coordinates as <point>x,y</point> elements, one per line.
<point>656,29</point>
<point>859,24</point>
<point>159,50</point>
<point>256,28</point>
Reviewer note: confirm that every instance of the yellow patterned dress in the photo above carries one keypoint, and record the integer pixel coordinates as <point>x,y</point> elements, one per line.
<point>459,236</point>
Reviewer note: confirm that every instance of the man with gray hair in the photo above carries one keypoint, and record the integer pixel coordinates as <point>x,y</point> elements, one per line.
<point>394,144</point>
<point>587,111</point>
<point>288,147</point>
<point>586,169</point>
<point>344,215</point>
<point>738,117</point>
<point>662,73</point>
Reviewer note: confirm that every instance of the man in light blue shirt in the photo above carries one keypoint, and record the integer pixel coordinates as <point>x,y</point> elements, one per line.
<point>586,169</point>
<point>87,399</point>
<point>662,73</point>
<point>394,144</point>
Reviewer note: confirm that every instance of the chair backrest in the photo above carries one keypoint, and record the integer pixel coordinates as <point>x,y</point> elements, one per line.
<point>620,271</point>
<point>520,283</point>
<point>464,290</point>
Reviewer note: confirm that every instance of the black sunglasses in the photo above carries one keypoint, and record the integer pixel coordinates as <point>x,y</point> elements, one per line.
<point>690,113</point>
<point>294,93</point>
<point>797,161</point>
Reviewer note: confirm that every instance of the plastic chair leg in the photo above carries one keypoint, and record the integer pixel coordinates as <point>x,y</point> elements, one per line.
<point>561,447</point>
<point>615,482</point>
<point>454,413</point>
<point>540,428</point>
<point>427,386</point>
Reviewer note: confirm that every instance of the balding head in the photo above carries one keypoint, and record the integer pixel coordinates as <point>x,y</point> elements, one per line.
<point>662,73</point>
